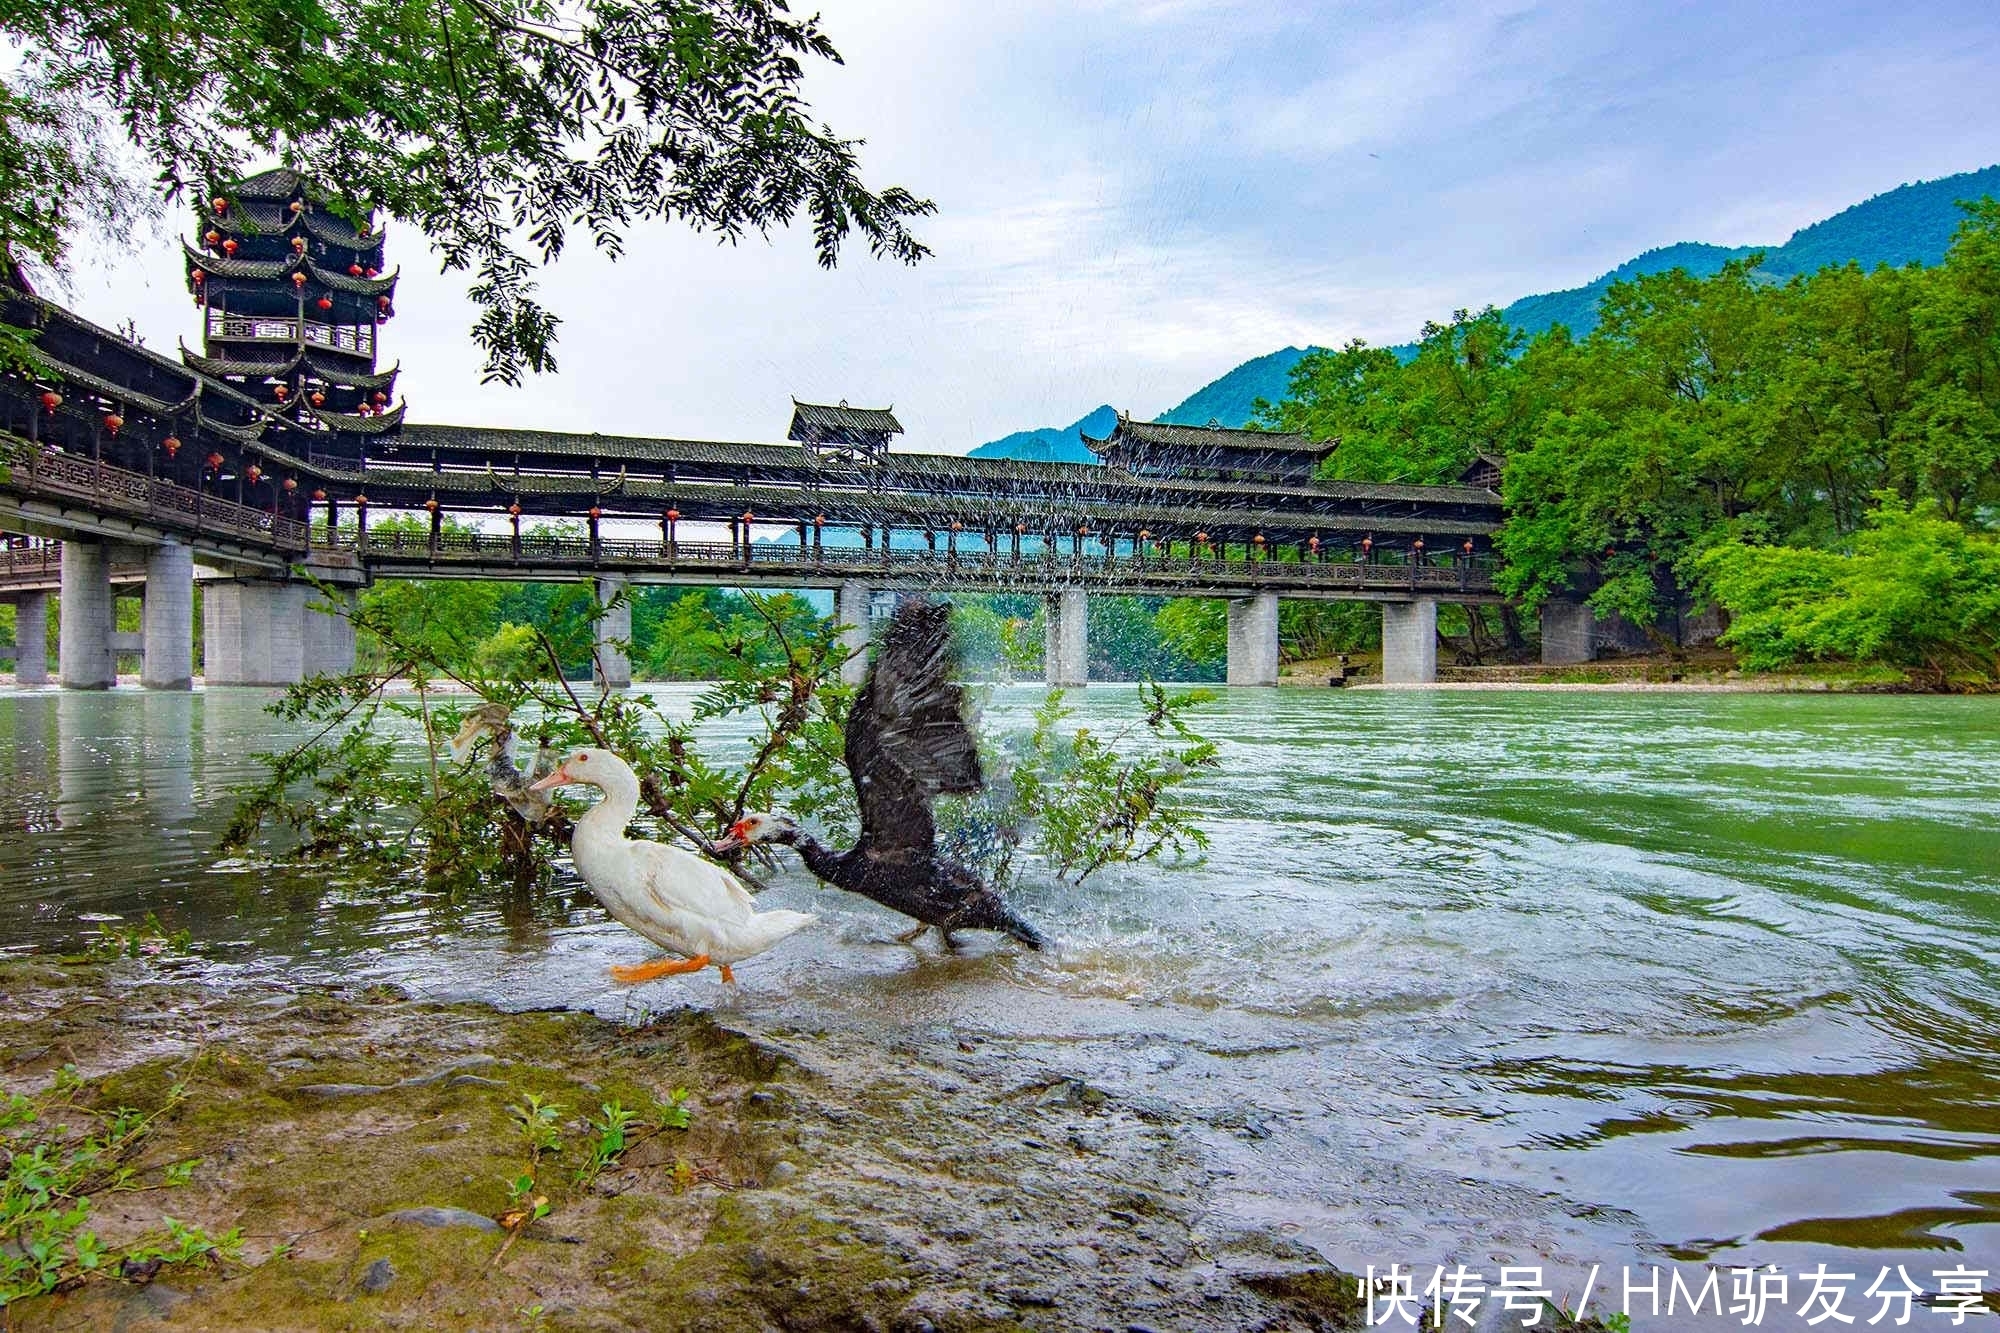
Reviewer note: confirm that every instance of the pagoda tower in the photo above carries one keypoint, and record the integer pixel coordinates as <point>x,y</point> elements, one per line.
<point>293,299</point>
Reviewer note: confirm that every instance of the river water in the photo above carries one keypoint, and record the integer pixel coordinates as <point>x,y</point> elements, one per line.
<point>1561,978</point>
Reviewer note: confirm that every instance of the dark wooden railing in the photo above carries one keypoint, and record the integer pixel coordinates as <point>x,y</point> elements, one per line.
<point>398,550</point>
<point>105,488</point>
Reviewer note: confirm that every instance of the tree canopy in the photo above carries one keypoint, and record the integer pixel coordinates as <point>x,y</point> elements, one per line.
<point>1842,413</point>
<point>499,127</point>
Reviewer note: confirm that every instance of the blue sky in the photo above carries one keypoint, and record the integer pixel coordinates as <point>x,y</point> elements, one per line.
<point>1136,195</point>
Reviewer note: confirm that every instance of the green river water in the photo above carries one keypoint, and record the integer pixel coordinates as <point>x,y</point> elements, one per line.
<point>1595,977</point>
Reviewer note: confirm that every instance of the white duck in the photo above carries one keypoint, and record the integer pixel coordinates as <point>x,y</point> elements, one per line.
<point>674,898</point>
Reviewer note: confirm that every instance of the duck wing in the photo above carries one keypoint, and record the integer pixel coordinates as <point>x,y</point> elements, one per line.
<point>907,742</point>
<point>681,882</point>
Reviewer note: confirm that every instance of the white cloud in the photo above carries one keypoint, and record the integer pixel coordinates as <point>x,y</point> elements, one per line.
<point>1136,195</point>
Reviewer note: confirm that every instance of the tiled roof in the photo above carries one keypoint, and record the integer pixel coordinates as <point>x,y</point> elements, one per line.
<point>1168,435</point>
<point>816,417</point>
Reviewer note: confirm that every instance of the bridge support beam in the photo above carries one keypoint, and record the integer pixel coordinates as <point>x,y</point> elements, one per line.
<point>167,623</point>
<point>851,613</point>
<point>253,632</point>
<point>1253,640</point>
<point>1410,642</point>
<point>328,633</point>
<point>613,669</point>
<point>88,615</point>
<point>1569,633</point>
<point>1066,639</point>
<point>31,639</point>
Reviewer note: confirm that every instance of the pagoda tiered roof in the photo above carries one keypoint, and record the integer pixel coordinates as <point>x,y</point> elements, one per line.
<point>1195,439</point>
<point>301,358</point>
<point>275,270</point>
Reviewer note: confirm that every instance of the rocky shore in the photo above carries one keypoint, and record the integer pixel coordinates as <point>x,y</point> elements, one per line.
<point>363,1143</point>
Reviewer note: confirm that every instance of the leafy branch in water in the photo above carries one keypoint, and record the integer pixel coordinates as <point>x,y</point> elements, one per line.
<point>771,730</point>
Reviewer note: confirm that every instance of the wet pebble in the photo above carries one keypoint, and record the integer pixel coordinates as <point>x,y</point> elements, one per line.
<point>378,1277</point>
<point>444,1217</point>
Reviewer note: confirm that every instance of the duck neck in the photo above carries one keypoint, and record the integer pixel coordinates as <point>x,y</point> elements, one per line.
<point>821,859</point>
<point>608,819</point>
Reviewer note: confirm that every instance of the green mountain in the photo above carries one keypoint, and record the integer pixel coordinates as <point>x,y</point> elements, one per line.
<point>1047,444</point>
<point>1909,224</point>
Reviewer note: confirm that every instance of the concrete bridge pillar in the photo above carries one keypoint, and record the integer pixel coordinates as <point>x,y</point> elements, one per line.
<point>850,612</point>
<point>1253,639</point>
<point>1569,633</point>
<point>253,632</point>
<point>87,614</point>
<point>329,633</point>
<point>31,639</point>
<point>614,634</point>
<point>1410,642</point>
<point>167,625</point>
<point>1066,639</point>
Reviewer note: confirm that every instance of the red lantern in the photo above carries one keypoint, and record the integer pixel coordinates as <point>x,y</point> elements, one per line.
<point>199,277</point>
<point>1313,544</point>
<point>318,494</point>
<point>220,204</point>
<point>431,505</point>
<point>361,501</point>
<point>747,516</point>
<point>281,392</point>
<point>324,303</point>
<point>956,526</point>
<point>514,510</point>
<point>1467,547</point>
<point>595,513</point>
<point>215,462</point>
<point>172,444</point>
<point>354,270</point>
<point>382,304</point>
<point>1367,545</point>
<point>1020,528</point>
<point>298,207</point>
<point>229,246</point>
<point>1201,539</point>
<point>673,516</point>
<point>1418,546</point>
<point>212,236</point>
<point>51,401</point>
<point>819,520</point>
<point>1258,539</point>
<point>380,398</point>
<point>253,474</point>
<point>113,422</point>
<point>298,279</point>
<point>318,399</point>
<point>298,245</point>
<point>291,484</point>
<point>372,271</point>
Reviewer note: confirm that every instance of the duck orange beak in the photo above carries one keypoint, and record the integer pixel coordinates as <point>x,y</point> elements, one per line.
<point>738,836</point>
<point>556,779</point>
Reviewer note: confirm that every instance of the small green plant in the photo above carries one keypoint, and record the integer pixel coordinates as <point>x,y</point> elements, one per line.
<point>59,1155</point>
<point>675,1114</point>
<point>148,939</point>
<point>607,1143</point>
<point>539,1123</point>
<point>1619,1322</point>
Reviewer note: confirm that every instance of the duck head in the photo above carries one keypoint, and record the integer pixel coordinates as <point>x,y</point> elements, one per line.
<point>485,720</point>
<point>595,768</point>
<point>758,828</point>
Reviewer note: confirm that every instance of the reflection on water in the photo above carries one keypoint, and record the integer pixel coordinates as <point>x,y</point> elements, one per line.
<point>1465,977</point>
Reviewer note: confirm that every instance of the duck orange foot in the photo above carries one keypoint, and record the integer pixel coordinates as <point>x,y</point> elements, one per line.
<point>633,973</point>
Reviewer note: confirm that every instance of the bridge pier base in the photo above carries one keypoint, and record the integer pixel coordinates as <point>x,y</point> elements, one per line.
<point>851,611</point>
<point>1569,633</point>
<point>167,622</point>
<point>87,616</point>
<point>328,635</point>
<point>31,639</point>
<point>1253,640</point>
<point>613,669</point>
<point>1066,639</point>
<point>253,632</point>
<point>1409,642</point>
